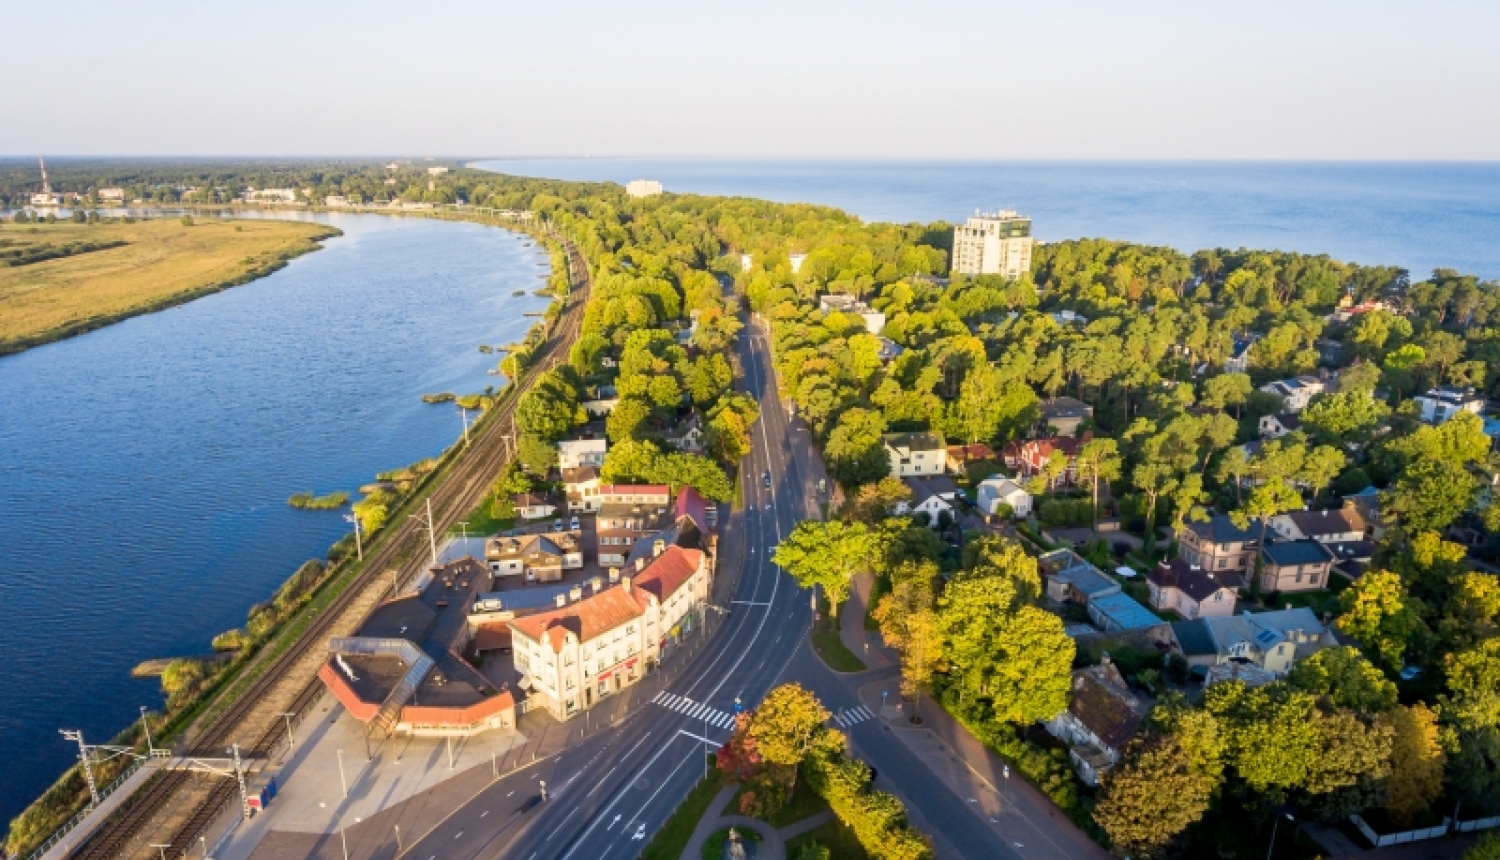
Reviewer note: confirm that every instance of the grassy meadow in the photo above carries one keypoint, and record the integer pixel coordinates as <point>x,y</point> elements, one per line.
<point>87,284</point>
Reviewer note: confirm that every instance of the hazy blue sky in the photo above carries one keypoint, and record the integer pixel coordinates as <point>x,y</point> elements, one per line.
<point>948,79</point>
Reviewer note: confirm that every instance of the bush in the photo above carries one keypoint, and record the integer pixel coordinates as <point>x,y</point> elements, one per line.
<point>1066,512</point>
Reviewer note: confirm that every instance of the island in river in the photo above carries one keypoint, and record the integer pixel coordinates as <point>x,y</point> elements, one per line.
<point>58,280</point>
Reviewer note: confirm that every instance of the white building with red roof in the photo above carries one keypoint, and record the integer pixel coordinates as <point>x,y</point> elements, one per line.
<point>590,648</point>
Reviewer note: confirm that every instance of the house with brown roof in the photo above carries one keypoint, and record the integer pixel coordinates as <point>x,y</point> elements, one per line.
<point>1191,591</point>
<point>538,558</point>
<point>620,525</point>
<point>589,648</point>
<point>1102,715</point>
<point>1027,459</point>
<point>1325,526</point>
<point>533,506</point>
<point>960,456</point>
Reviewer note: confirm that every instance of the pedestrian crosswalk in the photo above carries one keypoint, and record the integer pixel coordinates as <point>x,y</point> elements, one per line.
<point>695,710</point>
<point>853,716</point>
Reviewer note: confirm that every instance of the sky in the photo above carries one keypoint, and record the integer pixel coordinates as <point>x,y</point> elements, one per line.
<point>939,79</point>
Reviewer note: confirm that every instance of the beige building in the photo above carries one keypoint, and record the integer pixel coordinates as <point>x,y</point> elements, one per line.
<point>997,243</point>
<point>1217,544</point>
<point>643,188</point>
<point>588,649</point>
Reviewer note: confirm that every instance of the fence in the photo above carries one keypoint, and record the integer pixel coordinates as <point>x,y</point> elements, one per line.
<point>1401,838</point>
<point>84,813</point>
<point>1471,826</point>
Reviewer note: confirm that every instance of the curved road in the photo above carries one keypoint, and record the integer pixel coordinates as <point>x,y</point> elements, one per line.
<point>610,793</point>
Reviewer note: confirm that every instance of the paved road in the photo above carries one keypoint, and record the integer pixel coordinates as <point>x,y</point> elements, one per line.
<point>610,793</point>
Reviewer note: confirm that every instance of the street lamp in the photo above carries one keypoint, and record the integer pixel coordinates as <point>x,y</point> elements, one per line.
<point>146,727</point>
<point>359,543</point>
<point>1274,824</point>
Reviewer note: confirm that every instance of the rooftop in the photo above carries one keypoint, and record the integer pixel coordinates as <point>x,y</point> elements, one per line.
<point>1065,407</point>
<point>1124,611</point>
<point>1102,701</point>
<point>923,489</point>
<point>1296,552</point>
<point>1326,522</point>
<point>915,441</point>
<point>1194,638</point>
<point>1219,528</point>
<point>1194,581</point>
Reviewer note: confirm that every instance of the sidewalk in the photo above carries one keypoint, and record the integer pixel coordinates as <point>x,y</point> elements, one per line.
<point>772,845</point>
<point>864,644</point>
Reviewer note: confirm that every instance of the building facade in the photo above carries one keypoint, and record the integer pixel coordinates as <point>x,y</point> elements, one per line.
<point>996,243</point>
<point>915,454</point>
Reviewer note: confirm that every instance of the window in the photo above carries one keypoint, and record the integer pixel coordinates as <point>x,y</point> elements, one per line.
<point>569,684</point>
<point>1223,562</point>
<point>630,630</point>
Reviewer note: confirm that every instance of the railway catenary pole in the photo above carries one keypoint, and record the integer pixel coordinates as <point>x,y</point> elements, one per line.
<point>83,756</point>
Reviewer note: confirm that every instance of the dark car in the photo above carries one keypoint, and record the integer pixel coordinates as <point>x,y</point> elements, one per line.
<point>766,479</point>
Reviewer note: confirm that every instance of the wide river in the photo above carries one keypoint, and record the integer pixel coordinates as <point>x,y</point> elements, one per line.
<point>144,467</point>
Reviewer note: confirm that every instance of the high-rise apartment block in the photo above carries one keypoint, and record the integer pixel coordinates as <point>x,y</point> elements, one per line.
<point>997,243</point>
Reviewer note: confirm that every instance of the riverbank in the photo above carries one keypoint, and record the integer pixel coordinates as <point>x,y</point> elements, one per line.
<point>120,269</point>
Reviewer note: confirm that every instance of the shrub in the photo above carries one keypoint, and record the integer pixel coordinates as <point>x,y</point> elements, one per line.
<point>1066,512</point>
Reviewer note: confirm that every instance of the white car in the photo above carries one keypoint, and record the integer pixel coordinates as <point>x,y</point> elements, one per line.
<point>573,524</point>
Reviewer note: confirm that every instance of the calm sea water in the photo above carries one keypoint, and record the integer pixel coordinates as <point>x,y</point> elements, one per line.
<point>144,467</point>
<point>1420,216</point>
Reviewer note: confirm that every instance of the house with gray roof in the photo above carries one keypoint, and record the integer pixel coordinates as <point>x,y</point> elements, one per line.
<point>1217,544</point>
<point>1191,591</point>
<point>1299,565</point>
<point>915,454</point>
<point>1272,641</point>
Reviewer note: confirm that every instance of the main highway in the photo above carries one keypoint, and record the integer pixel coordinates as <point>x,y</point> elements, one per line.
<point>607,795</point>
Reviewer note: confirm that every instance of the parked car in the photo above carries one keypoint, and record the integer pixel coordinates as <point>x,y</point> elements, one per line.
<point>573,524</point>
<point>557,524</point>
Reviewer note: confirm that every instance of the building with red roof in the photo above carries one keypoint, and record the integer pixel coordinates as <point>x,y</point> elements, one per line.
<point>589,648</point>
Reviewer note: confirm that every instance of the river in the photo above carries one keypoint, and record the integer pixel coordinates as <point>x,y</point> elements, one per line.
<point>1418,215</point>
<point>144,467</point>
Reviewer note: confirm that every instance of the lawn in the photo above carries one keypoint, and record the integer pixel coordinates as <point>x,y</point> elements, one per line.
<point>673,836</point>
<point>481,522</point>
<point>880,588</point>
<point>826,641</point>
<point>836,836</point>
<point>161,262</point>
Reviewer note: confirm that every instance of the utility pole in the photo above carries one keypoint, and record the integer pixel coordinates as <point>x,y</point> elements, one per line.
<point>342,781</point>
<point>464,414</point>
<point>359,543</point>
<point>239,774</point>
<point>146,727</point>
<point>83,756</point>
<point>161,849</point>
<point>395,586</point>
<point>291,740</point>
<point>431,531</point>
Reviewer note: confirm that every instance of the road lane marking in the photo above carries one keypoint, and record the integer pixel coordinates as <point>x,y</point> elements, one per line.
<point>619,797</point>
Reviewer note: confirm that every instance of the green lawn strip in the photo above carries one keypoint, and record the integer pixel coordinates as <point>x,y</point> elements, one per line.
<point>672,838</point>
<point>826,641</point>
<point>836,836</point>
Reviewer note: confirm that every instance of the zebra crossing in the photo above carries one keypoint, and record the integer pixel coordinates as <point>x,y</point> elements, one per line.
<point>853,716</point>
<point>694,710</point>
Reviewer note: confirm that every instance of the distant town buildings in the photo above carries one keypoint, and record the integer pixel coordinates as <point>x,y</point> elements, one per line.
<point>643,188</point>
<point>111,195</point>
<point>436,171</point>
<point>996,243</point>
<point>796,261</point>
<point>270,195</point>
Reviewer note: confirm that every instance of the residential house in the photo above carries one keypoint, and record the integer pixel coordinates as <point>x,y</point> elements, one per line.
<point>1245,673</point>
<point>620,525</point>
<point>874,320</point>
<point>1289,566</point>
<point>581,485</point>
<point>1440,404</point>
<point>796,261</point>
<point>1028,459</point>
<point>1216,544</point>
<point>1348,310</point>
<point>533,506</point>
<point>1193,640</point>
<point>915,454</point>
<point>1272,641</point>
<point>1295,393</point>
<point>1070,578</point>
<point>931,496</point>
<point>1102,715</point>
<point>1325,526</point>
<point>1352,558</point>
<point>1366,503</point>
<point>572,453</point>
<point>960,456</point>
<point>1239,353</point>
<point>687,436</point>
<point>1279,425</point>
<point>600,406</point>
<point>1191,591</point>
<point>538,557</point>
<point>643,187</point>
<point>999,490</point>
<point>1064,415</point>
<point>589,648</point>
<point>336,201</point>
<point>112,195</point>
<point>889,350</point>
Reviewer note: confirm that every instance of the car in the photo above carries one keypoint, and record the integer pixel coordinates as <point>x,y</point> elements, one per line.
<point>557,525</point>
<point>766,480</point>
<point>573,524</point>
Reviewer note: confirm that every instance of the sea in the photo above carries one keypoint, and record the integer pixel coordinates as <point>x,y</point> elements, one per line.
<point>1420,216</point>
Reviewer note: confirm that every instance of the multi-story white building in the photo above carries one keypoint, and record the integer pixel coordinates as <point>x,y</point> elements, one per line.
<point>915,454</point>
<point>642,187</point>
<point>997,243</point>
<point>1440,404</point>
<point>573,453</point>
<point>588,649</point>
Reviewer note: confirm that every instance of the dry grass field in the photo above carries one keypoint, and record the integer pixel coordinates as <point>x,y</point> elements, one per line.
<point>162,263</point>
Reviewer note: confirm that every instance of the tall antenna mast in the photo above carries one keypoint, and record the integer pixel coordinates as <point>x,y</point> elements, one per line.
<point>46,189</point>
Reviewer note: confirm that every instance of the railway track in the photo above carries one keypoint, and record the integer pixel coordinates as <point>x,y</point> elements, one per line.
<point>253,719</point>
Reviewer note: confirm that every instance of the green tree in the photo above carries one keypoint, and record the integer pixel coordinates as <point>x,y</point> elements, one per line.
<point>1271,739</point>
<point>1344,679</point>
<point>1131,807</point>
<point>1345,416</point>
<point>855,450</point>
<point>1430,495</point>
<point>908,623</point>
<point>690,470</point>
<point>1379,616</point>
<point>1018,658</point>
<point>1226,390</point>
<point>627,420</point>
<point>1098,460</point>
<point>826,554</point>
<point>629,461</point>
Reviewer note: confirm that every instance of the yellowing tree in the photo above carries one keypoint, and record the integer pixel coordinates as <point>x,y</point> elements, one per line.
<point>1417,761</point>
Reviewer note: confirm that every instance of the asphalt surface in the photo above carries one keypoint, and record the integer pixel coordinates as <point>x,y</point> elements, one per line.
<point>609,794</point>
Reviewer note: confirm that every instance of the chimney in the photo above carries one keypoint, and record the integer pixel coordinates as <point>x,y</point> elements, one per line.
<point>614,575</point>
<point>561,600</point>
<point>640,565</point>
<point>1104,659</point>
<point>596,583</point>
<point>625,583</point>
<point>658,547</point>
<point>575,593</point>
<point>1078,683</point>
